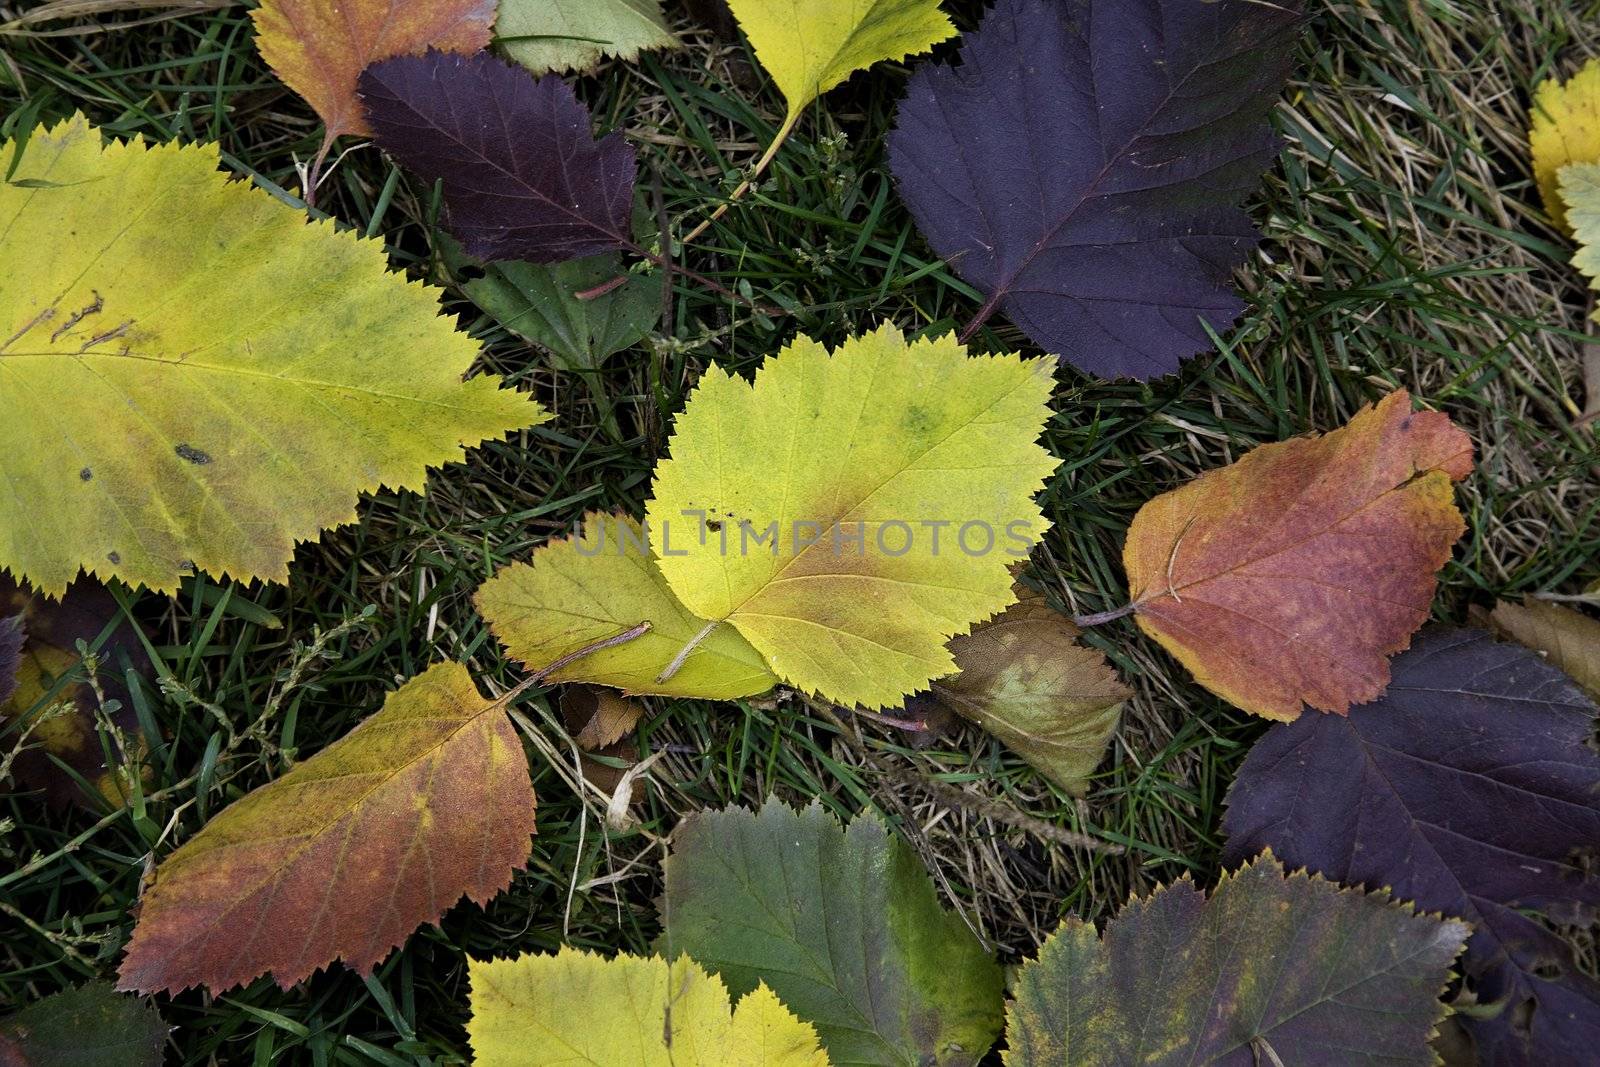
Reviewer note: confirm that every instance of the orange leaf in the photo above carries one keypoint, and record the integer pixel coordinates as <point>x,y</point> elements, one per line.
<point>348,853</point>
<point>1290,576</point>
<point>320,47</point>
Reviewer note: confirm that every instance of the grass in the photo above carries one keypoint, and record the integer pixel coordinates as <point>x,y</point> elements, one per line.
<point>1404,246</point>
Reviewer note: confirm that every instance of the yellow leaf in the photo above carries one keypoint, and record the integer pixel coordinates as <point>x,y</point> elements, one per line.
<point>859,508</point>
<point>586,588</point>
<point>576,1007</point>
<point>809,46</point>
<point>195,376</point>
<point>343,857</point>
<point>1565,129</point>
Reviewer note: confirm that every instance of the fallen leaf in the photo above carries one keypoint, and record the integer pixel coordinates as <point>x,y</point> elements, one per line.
<point>558,35</point>
<point>1084,166</point>
<point>523,176</point>
<point>195,376</point>
<point>601,722</point>
<point>1467,789</point>
<point>577,1007</point>
<point>843,924</point>
<point>13,632</point>
<point>1570,640</point>
<point>90,1026</point>
<point>343,857</point>
<point>1565,128</point>
<point>319,47</point>
<point>810,46</point>
<point>1026,679</point>
<point>1290,576</point>
<point>578,590</point>
<point>599,717</point>
<point>870,454</point>
<point>75,735</point>
<point>541,303</point>
<point>1320,976</point>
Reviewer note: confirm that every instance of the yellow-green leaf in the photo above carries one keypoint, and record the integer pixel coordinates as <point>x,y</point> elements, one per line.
<point>559,35</point>
<point>909,467</point>
<point>576,1007</point>
<point>194,375</point>
<point>1565,129</point>
<point>809,46</point>
<point>1580,192</point>
<point>582,589</point>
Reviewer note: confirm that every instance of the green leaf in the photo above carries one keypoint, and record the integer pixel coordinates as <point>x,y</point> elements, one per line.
<point>1272,969</point>
<point>843,925</point>
<point>90,1026</point>
<point>579,1008</point>
<point>195,376</point>
<point>540,304</point>
<point>559,35</point>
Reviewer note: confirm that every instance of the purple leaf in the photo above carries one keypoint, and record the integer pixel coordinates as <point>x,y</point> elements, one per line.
<point>523,176</point>
<point>1466,788</point>
<point>1084,165</point>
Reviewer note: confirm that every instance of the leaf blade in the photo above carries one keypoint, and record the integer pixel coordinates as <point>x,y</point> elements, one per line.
<point>843,924</point>
<point>1468,786</point>
<point>343,857</point>
<point>1324,976</point>
<point>1111,241</point>
<point>1232,596</point>
<point>523,176</point>
<point>627,1009</point>
<point>221,424</point>
<point>574,35</point>
<point>877,437</point>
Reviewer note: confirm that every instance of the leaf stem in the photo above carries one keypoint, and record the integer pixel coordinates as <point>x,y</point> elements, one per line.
<point>750,179</point>
<point>985,313</point>
<point>1084,621</point>
<point>601,645</point>
<point>683,653</point>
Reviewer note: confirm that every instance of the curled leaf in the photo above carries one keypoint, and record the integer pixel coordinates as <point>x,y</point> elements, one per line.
<point>1025,678</point>
<point>1288,577</point>
<point>343,857</point>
